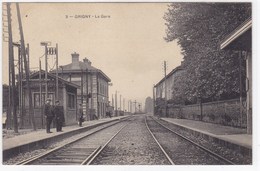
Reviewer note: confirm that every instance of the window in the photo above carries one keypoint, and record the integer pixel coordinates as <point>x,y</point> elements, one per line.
<point>71,101</point>
<point>36,99</point>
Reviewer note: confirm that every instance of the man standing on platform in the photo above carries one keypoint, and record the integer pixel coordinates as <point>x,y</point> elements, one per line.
<point>59,115</point>
<point>48,114</point>
<point>80,113</point>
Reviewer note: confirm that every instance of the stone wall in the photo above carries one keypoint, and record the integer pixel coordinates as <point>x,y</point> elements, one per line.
<point>220,112</point>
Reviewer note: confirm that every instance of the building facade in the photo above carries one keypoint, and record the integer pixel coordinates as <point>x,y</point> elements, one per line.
<point>167,82</point>
<point>163,92</point>
<point>93,86</point>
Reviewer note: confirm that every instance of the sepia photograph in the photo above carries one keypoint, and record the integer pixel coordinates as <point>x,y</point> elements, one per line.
<point>127,83</point>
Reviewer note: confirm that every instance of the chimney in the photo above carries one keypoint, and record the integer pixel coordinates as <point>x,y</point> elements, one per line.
<point>75,60</point>
<point>86,61</point>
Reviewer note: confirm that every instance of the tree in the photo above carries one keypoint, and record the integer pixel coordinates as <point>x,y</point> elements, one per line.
<point>199,29</point>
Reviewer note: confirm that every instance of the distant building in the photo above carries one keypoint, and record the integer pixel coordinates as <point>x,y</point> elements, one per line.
<point>161,94</point>
<point>149,105</point>
<point>170,78</point>
<point>93,85</point>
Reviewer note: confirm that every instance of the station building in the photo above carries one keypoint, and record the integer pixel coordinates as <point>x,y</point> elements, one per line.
<point>240,40</point>
<point>93,85</point>
<point>67,94</point>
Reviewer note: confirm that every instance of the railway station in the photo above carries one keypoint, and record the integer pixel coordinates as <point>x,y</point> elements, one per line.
<point>102,98</point>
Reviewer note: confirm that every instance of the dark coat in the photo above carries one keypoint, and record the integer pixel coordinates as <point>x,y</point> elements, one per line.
<point>58,112</point>
<point>48,111</point>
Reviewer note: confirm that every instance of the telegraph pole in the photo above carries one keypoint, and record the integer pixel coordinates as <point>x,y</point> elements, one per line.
<point>57,81</point>
<point>130,106</point>
<point>112,101</point>
<point>120,104</point>
<point>124,104</point>
<point>23,51</point>
<point>27,50</point>
<point>40,78</point>
<point>116,102</point>
<point>20,78</point>
<point>45,44</point>
<point>153,100</point>
<point>128,109</point>
<point>165,67</point>
<point>87,100</point>
<point>46,72</point>
<point>135,105</point>
<point>11,62</point>
<point>81,87</point>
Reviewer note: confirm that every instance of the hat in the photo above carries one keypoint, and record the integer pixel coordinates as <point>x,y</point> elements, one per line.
<point>57,101</point>
<point>48,99</point>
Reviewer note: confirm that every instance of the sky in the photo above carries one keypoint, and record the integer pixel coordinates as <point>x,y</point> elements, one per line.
<point>127,43</point>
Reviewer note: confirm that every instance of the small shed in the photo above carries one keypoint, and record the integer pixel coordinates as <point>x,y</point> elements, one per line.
<point>66,94</point>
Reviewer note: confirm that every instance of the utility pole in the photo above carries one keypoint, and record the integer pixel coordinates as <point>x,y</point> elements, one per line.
<point>116,102</point>
<point>87,100</point>
<point>135,105</point>
<point>45,44</point>
<point>46,72</point>
<point>112,101</point>
<point>81,87</point>
<point>128,109</point>
<point>27,50</point>
<point>40,79</point>
<point>153,100</point>
<point>11,62</point>
<point>23,51</point>
<point>165,67</point>
<point>20,82</point>
<point>131,106</point>
<point>124,104</point>
<point>120,104</point>
<point>57,80</point>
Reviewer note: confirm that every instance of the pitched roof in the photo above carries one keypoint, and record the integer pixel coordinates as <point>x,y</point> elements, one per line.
<point>36,76</point>
<point>240,38</point>
<point>178,68</point>
<point>80,66</point>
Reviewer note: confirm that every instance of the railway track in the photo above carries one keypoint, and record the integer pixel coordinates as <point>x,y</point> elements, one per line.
<point>78,151</point>
<point>181,149</point>
<point>112,143</point>
<point>122,150</point>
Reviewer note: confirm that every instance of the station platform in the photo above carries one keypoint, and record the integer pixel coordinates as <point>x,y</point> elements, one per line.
<point>37,139</point>
<point>234,138</point>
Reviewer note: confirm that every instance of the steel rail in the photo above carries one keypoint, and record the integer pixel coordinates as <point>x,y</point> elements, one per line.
<point>162,149</point>
<point>101,149</point>
<point>198,145</point>
<point>39,156</point>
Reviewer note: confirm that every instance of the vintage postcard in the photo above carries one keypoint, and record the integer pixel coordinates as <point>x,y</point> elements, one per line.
<point>124,83</point>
